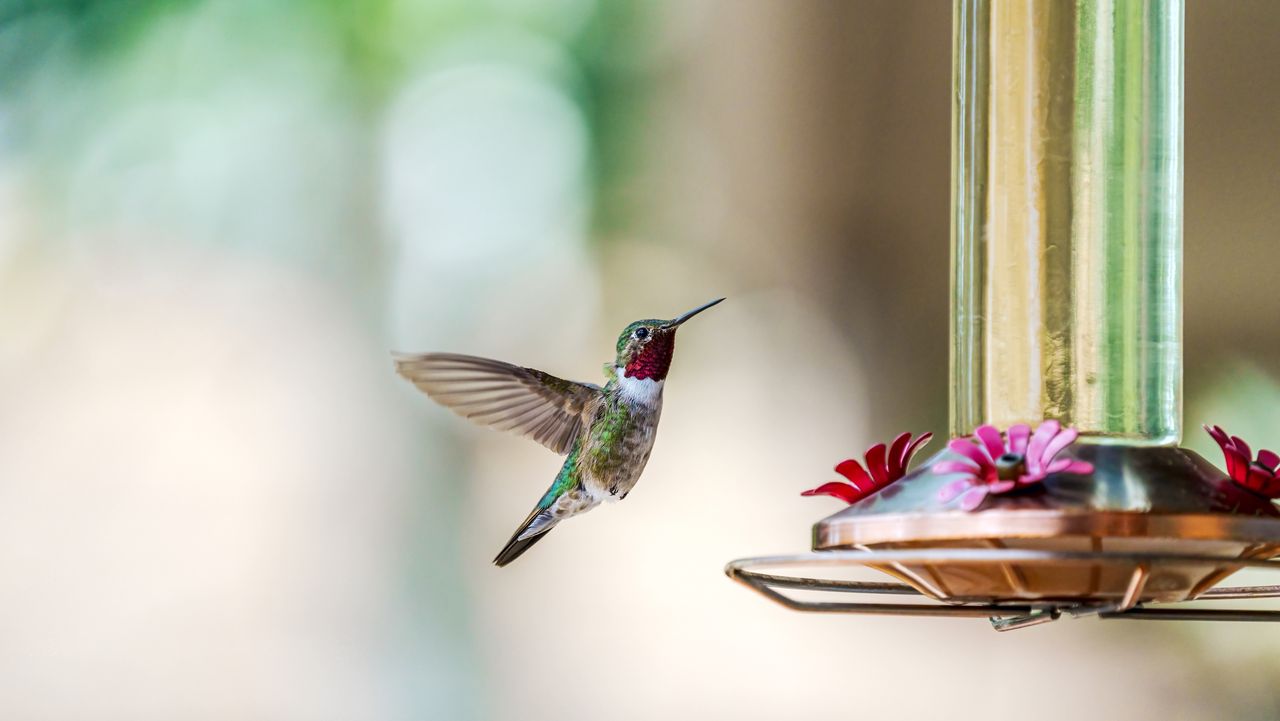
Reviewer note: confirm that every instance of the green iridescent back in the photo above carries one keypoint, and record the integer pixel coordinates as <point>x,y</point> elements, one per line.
<point>566,479</point>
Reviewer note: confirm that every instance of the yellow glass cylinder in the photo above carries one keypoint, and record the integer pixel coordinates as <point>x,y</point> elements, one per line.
<point>1067,207</point>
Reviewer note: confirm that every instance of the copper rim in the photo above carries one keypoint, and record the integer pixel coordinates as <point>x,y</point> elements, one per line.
<point>846,532</point>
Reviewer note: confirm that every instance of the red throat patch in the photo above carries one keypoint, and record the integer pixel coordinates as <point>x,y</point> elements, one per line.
<point>654,359</point>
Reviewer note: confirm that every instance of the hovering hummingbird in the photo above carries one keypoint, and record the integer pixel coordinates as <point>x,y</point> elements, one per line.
<point>607,432</point>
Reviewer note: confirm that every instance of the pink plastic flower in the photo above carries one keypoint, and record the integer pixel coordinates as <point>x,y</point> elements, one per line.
<point>885,465</point>
<point>992,465</point>
<point>1258,475</point>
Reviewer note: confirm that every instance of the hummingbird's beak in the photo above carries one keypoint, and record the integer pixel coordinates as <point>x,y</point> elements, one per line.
<point>690,314</point>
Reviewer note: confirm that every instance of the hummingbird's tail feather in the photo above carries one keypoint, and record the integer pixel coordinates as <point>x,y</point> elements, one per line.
<point>515,548</point>
<point>538,524</point>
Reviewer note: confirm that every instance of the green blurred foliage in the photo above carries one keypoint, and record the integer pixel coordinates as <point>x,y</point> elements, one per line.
<point>378,42</point>
<point>90,28</point>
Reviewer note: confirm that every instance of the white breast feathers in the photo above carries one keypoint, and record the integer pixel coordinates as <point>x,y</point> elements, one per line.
<point>646,391</point>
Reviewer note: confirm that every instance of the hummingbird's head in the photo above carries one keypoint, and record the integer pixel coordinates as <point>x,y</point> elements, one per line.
<point>645,347</point>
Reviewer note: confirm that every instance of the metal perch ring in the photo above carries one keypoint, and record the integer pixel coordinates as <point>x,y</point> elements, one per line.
<point>1004,616</point>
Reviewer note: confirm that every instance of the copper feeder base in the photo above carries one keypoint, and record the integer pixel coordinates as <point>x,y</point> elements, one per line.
<point>1159,501</point>
<point>1150,525</point>
<point>1163,576</point>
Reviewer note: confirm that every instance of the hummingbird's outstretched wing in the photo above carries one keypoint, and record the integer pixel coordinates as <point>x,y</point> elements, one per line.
<point>537,405</point>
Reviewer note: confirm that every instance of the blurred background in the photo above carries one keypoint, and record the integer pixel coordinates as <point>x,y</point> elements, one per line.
<point>217,501</point>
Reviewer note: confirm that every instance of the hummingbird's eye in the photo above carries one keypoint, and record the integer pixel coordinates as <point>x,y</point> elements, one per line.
<point>642,333</point>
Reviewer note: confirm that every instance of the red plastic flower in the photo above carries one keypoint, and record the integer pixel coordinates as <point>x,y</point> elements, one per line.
<point>992,465</point>
<point>1257,475</point>
<point>885,466</point>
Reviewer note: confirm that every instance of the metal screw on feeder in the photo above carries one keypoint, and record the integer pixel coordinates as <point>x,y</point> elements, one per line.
<point>1066,308</point>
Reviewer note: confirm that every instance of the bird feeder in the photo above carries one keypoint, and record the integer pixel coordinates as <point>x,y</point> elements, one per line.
<point>1066,266</point>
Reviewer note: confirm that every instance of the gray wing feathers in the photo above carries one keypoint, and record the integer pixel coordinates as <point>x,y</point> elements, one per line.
<point>507,397</point>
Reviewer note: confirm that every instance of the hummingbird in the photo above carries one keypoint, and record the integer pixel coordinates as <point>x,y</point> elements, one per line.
<point>605,433</point>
